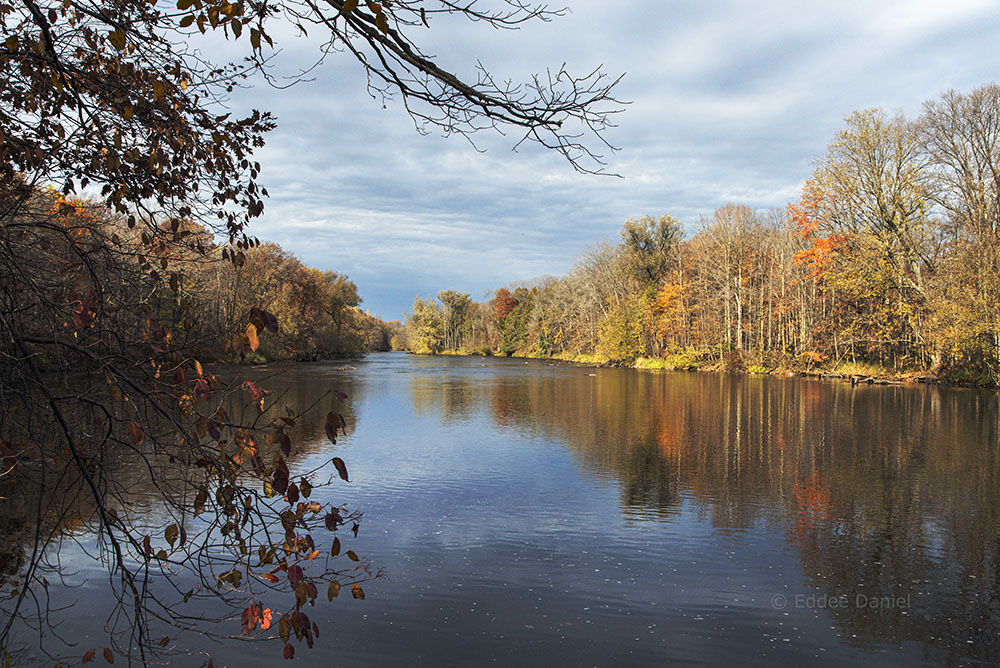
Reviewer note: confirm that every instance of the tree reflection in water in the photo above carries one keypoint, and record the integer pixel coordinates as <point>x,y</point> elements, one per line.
<point>882,491</point>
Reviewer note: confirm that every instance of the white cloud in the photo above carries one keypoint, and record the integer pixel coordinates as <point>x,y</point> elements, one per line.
<point>731,101</point>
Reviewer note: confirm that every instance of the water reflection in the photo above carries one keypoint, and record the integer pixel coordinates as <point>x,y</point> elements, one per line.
<point>558,515</point>
<point>888,495</point>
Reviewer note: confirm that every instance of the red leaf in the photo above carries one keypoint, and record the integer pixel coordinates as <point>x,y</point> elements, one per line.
<point>336,547</point>
<point>202,389</point>
<point>295,575</point>
<point>249,618</point>
<point>88,657</point>
<point>289,651</point>
<point>258,394</point>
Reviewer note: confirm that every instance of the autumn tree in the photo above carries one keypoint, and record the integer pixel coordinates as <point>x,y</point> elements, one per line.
<point>341,295</point>
<point>100,338</point>
<point>876,180</point>
<point>650,246</point>
<point>457,318</point>
<point>961,136</point>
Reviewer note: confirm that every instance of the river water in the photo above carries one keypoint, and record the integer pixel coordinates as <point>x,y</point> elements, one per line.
<point>537,514</point>
<point>554,515</point>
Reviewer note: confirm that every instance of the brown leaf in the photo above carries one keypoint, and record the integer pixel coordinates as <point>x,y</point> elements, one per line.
<point>109,655</point>
<point>341,467</point>
<point>252,336</point>
<point>331,427</point>
<point>357,592</point>
<point>333,591</point>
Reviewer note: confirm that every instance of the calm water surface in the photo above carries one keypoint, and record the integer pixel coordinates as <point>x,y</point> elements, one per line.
<point>552,515</point>
<point>535,514</point>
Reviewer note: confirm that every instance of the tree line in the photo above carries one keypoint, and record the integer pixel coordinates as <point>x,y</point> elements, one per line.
<point>186,284</point>
<point>889,261</point>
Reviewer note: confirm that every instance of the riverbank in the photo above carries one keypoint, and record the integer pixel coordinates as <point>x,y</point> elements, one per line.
<point>856,373</point>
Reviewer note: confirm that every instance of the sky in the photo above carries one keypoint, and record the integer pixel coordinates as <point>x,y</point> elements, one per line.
<point>729,101</point>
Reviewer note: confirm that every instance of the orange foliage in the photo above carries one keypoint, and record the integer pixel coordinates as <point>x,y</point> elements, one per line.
<point>807,214</point>
<point>503,303</point>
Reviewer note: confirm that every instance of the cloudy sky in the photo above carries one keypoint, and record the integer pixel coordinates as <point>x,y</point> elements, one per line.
<point>730,101</point>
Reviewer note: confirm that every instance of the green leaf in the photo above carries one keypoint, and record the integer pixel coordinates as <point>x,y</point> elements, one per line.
<point>117,39</point>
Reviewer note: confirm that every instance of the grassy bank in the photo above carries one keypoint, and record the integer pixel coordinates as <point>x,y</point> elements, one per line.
<point>855,372</point>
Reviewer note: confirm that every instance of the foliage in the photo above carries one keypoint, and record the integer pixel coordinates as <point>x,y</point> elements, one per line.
<point>109,309</point>
<point>426,327</point>
<point>890,258</point>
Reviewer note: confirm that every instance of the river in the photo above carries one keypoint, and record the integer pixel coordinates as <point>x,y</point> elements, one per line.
<point>538,514</point>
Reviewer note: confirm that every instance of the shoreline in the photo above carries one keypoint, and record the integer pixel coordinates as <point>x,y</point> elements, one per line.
<point>861,375</point>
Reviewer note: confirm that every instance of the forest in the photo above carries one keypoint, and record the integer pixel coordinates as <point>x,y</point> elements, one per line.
<point>888,264</point>
<point>185,283</point>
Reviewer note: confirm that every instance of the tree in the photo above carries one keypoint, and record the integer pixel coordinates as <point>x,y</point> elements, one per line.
<point>341,295</point>
<point>961,135</point>
<point>426,326</point>
<point>876,180</point>
<point>100,345</point>
<point>457,309</point>
<point>650,247</point>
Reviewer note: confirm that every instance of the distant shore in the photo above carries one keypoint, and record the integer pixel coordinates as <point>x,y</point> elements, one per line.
<point>854,373</point>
